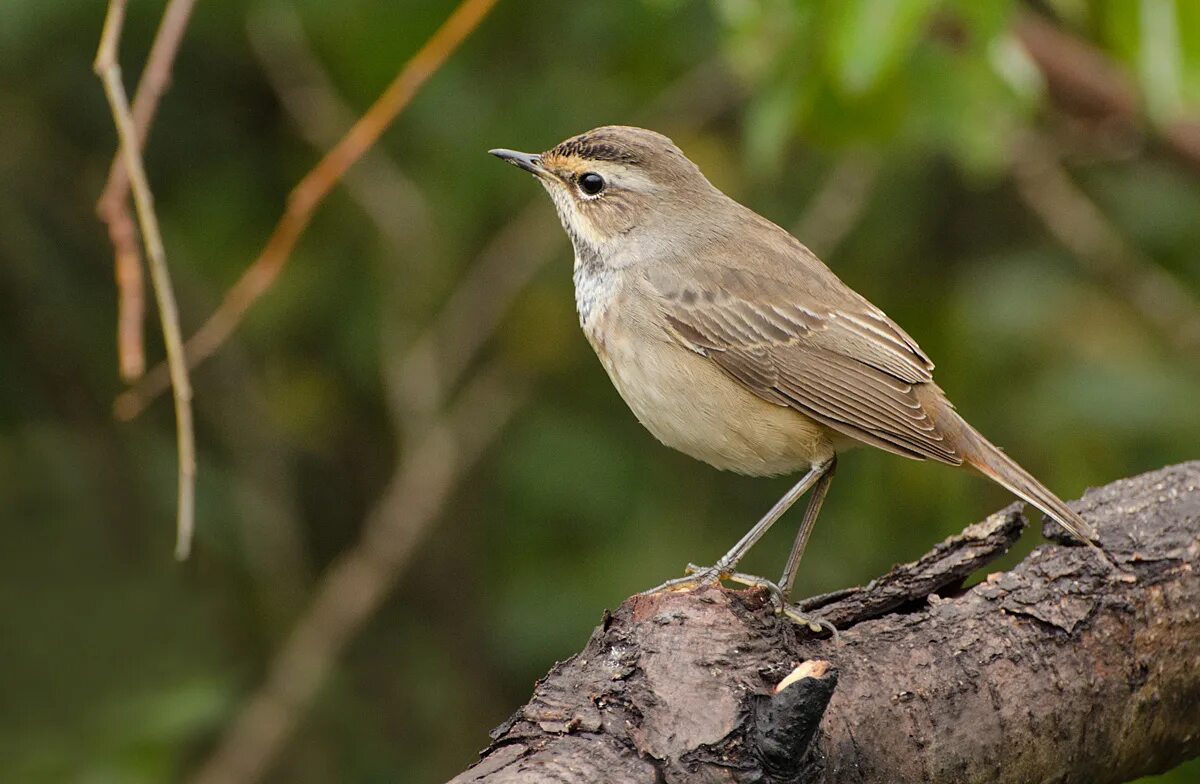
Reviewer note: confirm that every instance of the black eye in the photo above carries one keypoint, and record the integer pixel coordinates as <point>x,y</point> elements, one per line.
<point>591,183</point>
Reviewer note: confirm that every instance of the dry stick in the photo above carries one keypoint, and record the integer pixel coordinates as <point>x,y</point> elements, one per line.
<point>113,206</point>
<point>131,290</point>
<point>307,196</point>
<point>358,582</point>
<point>1075,221</point>
<point>109,71</point>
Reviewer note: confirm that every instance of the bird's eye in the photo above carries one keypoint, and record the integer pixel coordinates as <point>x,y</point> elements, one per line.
<point>591,183</point>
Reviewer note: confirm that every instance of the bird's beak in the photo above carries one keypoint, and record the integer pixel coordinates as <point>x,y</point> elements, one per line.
<point>523,160</point>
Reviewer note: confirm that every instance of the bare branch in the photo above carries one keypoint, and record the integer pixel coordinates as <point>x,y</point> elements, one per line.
<point>109,71</point>
<point>131,291</point>
<point>113,205</point>
<point>1058,670</point>
<point>308,195</point>
<point>156,77</point>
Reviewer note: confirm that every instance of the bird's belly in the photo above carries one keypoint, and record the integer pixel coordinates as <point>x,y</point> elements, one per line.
<point>689,404</point>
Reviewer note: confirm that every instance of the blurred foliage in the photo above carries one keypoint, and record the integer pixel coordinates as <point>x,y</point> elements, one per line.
<point>122,666</point>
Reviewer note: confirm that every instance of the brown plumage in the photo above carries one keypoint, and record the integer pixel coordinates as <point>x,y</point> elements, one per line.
<point>732,342</point>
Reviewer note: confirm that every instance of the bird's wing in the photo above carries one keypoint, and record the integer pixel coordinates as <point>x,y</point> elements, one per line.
<point>812,344</point>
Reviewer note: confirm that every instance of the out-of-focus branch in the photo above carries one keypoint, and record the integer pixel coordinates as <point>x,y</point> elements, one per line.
<point>131,290</point>
<point>835,209</point>
<point>308,195</point>
<point>109,71</point>
<point>389,198</point>
<point>357,583</point>
<point>442,353</point>
<point>1085,82</point>
<point>153,84</point>
<point>113,205</point>
<point>1075,221</point>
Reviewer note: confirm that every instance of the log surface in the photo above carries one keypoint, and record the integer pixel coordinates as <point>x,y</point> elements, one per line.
<point>1060,670</point>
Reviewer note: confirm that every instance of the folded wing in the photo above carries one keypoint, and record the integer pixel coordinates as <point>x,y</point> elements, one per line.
<point>843,363</point>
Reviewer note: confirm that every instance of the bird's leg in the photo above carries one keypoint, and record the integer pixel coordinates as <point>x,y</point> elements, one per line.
<point>726,564</point>
<point>788,580</point>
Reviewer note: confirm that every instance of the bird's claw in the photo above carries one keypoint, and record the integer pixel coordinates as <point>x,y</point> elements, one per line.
<point>815,624</point>
<point>694,577</point>
<point>706,576</point>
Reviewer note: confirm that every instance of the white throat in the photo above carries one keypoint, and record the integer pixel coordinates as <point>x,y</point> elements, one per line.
<point>595,280</point>
<point>595,287</point>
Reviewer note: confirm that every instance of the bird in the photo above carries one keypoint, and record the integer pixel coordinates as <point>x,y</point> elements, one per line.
<point>734,344</point>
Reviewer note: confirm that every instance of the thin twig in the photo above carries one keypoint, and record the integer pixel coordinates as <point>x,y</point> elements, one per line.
<point>1070,215</point>
<point>156,77</point>
<point>131,291</point>
<point>109,71</point>
<point>113,205</point>
<point>308,195</point>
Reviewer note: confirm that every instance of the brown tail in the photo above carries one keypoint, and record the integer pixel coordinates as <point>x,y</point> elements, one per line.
<point>988,460</point>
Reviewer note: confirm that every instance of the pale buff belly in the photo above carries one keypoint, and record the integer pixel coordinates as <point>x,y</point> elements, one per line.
<point>689,404</point>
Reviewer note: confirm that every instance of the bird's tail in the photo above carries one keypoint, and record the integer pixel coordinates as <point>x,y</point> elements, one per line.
<point>989,460</point>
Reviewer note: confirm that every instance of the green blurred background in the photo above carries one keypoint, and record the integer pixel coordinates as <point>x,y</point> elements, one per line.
<point>892,133</point>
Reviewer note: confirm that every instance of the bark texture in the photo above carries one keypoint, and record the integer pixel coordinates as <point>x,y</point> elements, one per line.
<point>1060,670</point>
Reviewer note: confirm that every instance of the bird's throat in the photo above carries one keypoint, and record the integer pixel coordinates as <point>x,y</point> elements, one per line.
<point>595,286</point>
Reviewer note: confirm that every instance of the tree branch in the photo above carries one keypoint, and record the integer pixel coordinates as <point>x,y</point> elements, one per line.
<point>1058,670</point>
<point>113,205</point>
<point>307,196</point>
<point>1086,83</point>
<point>109,71</point>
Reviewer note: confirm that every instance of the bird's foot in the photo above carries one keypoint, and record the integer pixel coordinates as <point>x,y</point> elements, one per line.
<point>695,577</point>
<point>707,576</point>
<point>815,624</point>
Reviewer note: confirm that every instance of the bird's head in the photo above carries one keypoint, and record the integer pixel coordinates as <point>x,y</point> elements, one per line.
<point>615,182</point>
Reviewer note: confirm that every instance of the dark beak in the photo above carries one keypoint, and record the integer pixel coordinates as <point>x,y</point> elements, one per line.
<point>524,160</point>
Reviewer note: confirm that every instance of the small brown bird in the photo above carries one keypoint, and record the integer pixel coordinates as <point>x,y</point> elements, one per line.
<point>734,344</point>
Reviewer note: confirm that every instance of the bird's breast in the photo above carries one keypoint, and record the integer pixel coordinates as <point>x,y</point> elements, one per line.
<point>684,399</point>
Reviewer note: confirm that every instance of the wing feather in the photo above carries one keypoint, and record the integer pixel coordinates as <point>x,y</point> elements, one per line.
<point>847,365</point>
